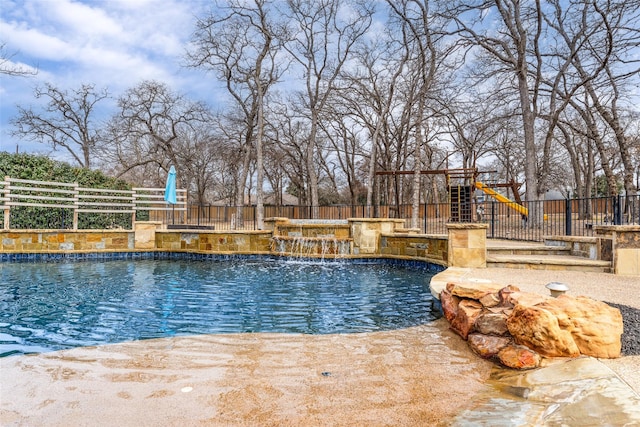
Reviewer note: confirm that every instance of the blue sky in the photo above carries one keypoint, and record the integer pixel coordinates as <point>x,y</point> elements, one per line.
<point>113,44</point>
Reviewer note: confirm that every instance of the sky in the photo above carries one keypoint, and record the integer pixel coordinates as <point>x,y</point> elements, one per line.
<point>113,44</point>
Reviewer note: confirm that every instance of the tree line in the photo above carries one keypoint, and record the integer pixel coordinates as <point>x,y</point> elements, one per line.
<point>324,94</point>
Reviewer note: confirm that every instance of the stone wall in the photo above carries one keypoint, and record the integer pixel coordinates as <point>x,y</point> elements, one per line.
<point>224,242</point>
<point>518,329</point>
<point>56,241</point>
<point>338,231</point>
<point>583,246</point>
<point>467,245</point>
<point>367,232</point>
<point>429,248</point>
<point>625,247</point>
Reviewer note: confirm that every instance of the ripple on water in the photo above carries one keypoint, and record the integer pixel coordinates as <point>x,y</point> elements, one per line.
<point>56,306</point>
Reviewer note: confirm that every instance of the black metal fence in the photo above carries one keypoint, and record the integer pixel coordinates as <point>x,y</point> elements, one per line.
<point>572,217</point>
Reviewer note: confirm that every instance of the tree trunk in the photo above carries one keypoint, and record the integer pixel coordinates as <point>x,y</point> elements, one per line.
<point>311,171</point>
<point>259,160</point>
<point>530,171</point>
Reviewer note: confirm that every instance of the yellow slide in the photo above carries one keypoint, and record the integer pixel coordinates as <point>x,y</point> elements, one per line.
<point>499,197</point>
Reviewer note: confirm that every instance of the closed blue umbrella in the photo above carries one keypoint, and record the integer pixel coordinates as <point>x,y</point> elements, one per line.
<point>170,189</point>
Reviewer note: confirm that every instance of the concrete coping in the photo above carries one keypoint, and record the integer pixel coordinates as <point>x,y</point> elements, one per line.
<point>195,231</point>
<point>576,239</point>
<point>52,230</point>
<point>623,228</point>
<point>374,220</point>
<point>416,236</point>
<point>467,226</point>
<point>314,225</point>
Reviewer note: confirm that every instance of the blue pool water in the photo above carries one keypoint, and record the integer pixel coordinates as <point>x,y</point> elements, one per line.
<point>51,306</point>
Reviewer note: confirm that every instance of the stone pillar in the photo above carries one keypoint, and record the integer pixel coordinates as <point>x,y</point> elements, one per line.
<point>145,234</point>
<point>272,224</point>
<point>366,233</point>
<point>467,245</point>
<point>625,247</point>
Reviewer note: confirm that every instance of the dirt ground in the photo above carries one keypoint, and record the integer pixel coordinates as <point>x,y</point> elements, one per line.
<point>417,376</point>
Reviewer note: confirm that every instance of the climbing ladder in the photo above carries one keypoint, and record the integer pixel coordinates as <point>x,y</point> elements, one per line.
<point>460,202</point>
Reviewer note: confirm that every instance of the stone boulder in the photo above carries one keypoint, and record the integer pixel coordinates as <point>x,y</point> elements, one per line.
<point>473,290</point>
<point>538,329</point>
<point>518,357</point>
<point>517,328</point>
<point>595,327</point>
<point>449,305</point>
<point>468,312</point>
<point>492,324</point>
<point>487,346</point>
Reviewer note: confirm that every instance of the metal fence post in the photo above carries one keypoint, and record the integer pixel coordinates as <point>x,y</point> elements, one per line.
<point>493,218</point>
<point>617,210</point>
<point>425,217</point>
<point>567,217</point>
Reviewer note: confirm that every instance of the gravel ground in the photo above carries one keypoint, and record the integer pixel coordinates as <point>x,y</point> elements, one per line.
<point>631,334</point>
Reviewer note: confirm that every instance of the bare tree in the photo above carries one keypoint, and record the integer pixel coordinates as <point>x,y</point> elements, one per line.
<point>9,68</point>
<point>152,127</point>
<point>369,95</point>
<point>67,121</point>
<point>513,48</point>
<point>241,44</point>
<point>424,37</point>
<point>322,43</point>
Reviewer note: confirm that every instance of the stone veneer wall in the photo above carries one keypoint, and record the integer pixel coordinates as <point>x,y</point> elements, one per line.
<point>430,248</point>
<point>338,231</point>
<point>583,246</point>
<point>63,240</point>
<point>467,245</point>
<point>367,232</point>
<point>226,242</point>
<point>255,242</point>
<point>625,247</point>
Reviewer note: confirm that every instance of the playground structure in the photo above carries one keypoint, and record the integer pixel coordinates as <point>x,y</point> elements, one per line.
<point>461,184</point>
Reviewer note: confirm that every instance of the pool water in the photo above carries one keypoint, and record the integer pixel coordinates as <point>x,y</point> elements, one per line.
<point>52,306</point>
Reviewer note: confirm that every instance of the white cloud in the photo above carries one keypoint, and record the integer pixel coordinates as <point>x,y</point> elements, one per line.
<point>113,44</point>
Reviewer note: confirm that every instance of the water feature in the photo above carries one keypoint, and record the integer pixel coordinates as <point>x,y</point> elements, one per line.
<point>50,306</point>
<point>310,247</point>
<point>313,239</point>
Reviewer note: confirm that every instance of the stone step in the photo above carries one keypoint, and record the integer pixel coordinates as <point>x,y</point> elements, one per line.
<point>548,262</point>
<point>529,250</point>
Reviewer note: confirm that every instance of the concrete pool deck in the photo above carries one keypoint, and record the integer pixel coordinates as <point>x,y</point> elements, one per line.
<point>418,376</point>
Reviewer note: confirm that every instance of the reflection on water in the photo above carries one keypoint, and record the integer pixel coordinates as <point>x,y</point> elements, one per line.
<point>52,306</point>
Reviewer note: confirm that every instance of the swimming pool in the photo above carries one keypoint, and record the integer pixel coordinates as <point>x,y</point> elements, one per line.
<point>57,305</point>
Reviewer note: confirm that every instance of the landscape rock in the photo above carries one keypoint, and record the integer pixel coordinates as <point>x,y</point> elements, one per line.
<point>538,329</point>
<point>518,328</point>
<point>468,312</point>
<point>472,290</point>
<point>449,305</point>
<point>487,346</point>
<point>595,326</point>
<point>505,295</point>
<point>527,299</point>
<point>490,300</point>
<point>519,357</point>
<point>492,324</point>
